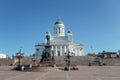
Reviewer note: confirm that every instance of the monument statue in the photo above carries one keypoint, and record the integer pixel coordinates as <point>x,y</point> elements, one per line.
<point>48,53</point>
<point>19,56</point>
<point>48,37</point>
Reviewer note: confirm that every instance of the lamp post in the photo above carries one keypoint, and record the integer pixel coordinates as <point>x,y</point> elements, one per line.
<point>19,55</point>
<point>67,60</point>
<point>34,60</point>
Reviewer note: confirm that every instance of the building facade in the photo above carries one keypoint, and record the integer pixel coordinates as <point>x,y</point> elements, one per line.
<point>105,54</point>
<point>3,56</point>
<point>60,42</point>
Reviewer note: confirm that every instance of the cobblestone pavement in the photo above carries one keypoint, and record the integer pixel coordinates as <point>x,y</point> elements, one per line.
<point>84,73</point>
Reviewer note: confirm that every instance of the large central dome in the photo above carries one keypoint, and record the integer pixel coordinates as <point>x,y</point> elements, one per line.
<point>59,22</point>
<point>59,28</point>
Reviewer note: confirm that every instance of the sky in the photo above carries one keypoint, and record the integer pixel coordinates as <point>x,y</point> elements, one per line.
<point>94,23</point>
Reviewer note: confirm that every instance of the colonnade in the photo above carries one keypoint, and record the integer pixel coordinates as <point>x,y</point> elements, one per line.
<point>62,49</point>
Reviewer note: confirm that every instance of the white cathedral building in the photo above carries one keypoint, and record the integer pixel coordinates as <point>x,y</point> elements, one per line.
<point>60,42</point>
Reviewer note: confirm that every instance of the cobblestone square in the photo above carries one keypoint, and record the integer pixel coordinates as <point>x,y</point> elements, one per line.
<point>84,73</point>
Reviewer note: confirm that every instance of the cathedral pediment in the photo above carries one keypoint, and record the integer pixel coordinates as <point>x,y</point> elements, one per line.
<point>58,40</point>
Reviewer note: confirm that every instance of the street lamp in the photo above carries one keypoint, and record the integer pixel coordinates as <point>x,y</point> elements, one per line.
<point>34,60</point>
<point>67,60</point>
<point>19,55</point>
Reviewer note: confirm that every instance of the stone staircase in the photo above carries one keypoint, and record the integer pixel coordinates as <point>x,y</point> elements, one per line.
<point>59,60</point>
<point>6,62</point>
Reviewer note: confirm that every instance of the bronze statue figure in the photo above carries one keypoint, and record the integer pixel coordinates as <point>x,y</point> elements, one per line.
<point>48,37</point>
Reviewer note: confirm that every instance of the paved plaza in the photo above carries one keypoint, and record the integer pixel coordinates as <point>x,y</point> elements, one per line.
<point>84,73</point>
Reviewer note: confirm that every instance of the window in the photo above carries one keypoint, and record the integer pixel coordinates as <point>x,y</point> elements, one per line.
<point>55,30</point>
<point>37,49</point>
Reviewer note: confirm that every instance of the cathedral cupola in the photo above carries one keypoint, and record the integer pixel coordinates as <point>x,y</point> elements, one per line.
<point>59,22</point>
<point>69,33</point>
<point>59,28</point>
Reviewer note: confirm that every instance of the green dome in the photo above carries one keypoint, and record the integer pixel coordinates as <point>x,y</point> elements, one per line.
<point>69,31</point>
<point>59,22</point>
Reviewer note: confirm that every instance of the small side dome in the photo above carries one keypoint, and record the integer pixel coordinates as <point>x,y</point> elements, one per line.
<point>48,33</point>
<point>69,31</point>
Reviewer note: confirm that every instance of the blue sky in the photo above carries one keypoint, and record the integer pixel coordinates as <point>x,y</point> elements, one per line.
<point>95,23</point>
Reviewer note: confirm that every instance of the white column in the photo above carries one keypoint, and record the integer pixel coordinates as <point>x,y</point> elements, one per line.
<point>60,50</point>
<point>67,48</point>
<point>81,52</point>
<point>75,52</point>
<point>78,52</point>
<point>64,49</point>
<point>58,32</point>
<point>56,50</point>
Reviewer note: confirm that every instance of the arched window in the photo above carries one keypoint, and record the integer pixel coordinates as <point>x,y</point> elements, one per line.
<point>55,30</point>
<point>59,30</point>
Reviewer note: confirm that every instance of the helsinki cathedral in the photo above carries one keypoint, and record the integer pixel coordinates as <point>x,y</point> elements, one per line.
<point>60,43</point>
